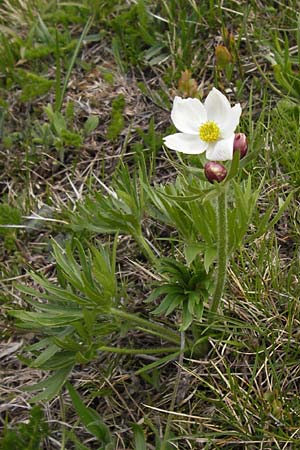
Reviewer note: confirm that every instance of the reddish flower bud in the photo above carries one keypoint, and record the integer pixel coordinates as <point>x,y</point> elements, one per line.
<point>240,144</point>
<point>214,171</point>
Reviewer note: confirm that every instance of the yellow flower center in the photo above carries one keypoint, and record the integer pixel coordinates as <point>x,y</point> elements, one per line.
<point>209,131</point>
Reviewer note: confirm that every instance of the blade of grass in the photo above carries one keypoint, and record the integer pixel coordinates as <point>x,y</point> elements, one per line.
<point>60,93</point>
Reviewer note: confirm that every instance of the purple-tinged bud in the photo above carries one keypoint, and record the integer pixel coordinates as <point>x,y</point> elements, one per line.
<point>240,144</point>
<point>214,171</point>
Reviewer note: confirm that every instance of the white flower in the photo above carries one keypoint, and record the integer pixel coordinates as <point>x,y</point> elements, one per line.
<point>207,127</point>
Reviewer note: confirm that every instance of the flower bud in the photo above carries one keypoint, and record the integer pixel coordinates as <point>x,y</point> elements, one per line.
<point>240,144</point>
<point>214,171</point>
<point>223,56</point>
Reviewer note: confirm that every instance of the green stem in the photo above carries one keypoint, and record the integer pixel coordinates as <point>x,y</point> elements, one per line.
<point>138,351</point>
<point>146,249</point>
<point>63,416</point>
<point>151,327</point>
<point>175,393</point>
<point>222,252</point>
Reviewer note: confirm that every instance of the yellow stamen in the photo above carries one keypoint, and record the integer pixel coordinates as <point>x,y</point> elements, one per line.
<point>209,131</point>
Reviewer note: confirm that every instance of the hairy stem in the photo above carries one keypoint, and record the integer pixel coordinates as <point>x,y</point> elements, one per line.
<point>175,392</point>
<point>152,327</point>
<point>138,351</point>
<point>222,253</point>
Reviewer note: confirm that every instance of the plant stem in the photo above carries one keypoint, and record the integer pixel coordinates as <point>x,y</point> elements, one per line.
<point>175,392</point>
<point>138,351</point>
<point>222,253</point>
<point>63,416</point>
<point>151,327</point>
<point>146,249</point>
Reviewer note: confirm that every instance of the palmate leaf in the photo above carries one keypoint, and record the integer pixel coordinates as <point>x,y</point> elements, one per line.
<point>176,270</point>
<point>168,304</point>
<point>74,315</point>
<point>73,271</point>
<point>188,189</point>
<point>104,270</point>
<point>119,209</point>
<point>187,205</point>
<point>240,214</point>
<point>187,289</point>
<point>169,212</point>
<point>166,288</point>
<point>204,220</point>
<point>94,277</point>
<point>88,281</point>
<point>177,301</point>
<point>103,214</point>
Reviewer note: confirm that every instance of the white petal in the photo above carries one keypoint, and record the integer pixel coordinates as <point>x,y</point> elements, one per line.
<point>233,119</point>
<point>217,107</point>
<point>188,114</point>
<point>185,143</point>
<point>221,151</point>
